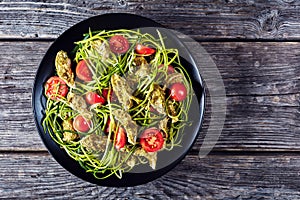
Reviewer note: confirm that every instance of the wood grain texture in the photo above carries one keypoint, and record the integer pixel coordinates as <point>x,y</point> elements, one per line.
<point>257,156</point>
<point>256,68</point>
<point>218,177</point>
<point>205,19</point>
<point>262,89</point>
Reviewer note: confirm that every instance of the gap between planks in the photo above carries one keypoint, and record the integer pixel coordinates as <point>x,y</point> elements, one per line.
<point>193,153</point>
<point>209,40</point>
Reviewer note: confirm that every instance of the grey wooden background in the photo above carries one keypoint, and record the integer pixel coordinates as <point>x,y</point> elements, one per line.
<point>256,47</point>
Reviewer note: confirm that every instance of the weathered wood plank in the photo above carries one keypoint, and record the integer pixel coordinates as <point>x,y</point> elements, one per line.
<point>268,123</point>
<point>262,89</point>
<point>206,19</point>
<point>214,177</point>
<point>256,68</point>
<point>17,72</point>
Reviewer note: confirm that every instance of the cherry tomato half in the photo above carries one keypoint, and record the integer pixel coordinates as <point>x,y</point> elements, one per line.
<point>83,72</point>
<point>120,138</point>
<point>178,92</point>
<point>144,50</point>
<point>118,44</point>
<point>152,140</point>
<point>112,96</point>
<point>107,126</point>
<point>56,88</point>
<point>81,124</point>
<point>93,98</point>
<point>170,69</point>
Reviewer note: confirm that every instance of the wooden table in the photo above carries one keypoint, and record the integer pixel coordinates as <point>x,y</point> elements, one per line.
<point>256,47</point>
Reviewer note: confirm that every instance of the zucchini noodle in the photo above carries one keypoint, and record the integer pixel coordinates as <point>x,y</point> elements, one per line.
<point>103,64</point>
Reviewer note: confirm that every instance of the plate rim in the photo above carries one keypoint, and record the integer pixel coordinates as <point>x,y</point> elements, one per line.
<point>202,105</point>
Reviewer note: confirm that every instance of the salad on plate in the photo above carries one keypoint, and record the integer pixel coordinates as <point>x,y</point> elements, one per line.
<point>122,98</point>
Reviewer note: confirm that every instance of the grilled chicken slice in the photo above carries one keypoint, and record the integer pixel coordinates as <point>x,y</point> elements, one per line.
<point>174,78</point>
<point>63,68</point>
<point>78,104</point>
<point>143,72</point>
<point>163,125</point>
<point>157,99</point>
<point>68,134</point>
<point>94,142</point>
<point>122,91</point>
<point>140,60</point>
<point>150,156</point>
<point>172,111</point>
<point>129,125</point>
<point>129,161</point>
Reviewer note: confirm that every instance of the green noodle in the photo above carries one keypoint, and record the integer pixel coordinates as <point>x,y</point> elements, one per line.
<point>112,162</point>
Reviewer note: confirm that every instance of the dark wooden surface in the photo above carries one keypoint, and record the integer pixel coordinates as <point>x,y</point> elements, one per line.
<point>256,47</point>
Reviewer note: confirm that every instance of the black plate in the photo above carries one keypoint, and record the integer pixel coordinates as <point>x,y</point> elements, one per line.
<point>166,159</point>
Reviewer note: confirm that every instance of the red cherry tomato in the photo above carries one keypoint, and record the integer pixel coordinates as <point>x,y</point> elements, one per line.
<point>105,93</point>
<point>118,44</point>
<point>144,50</point>
<point>56,88</point>
<point>170,69</point>
<point>93,98</point>
<point>83,72</point>
<point>81,124</point>
<point>108,126</point>
<point>178,92</point>
<point>120,138</point>
<point>152,140</point>
<point>112,97</point>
